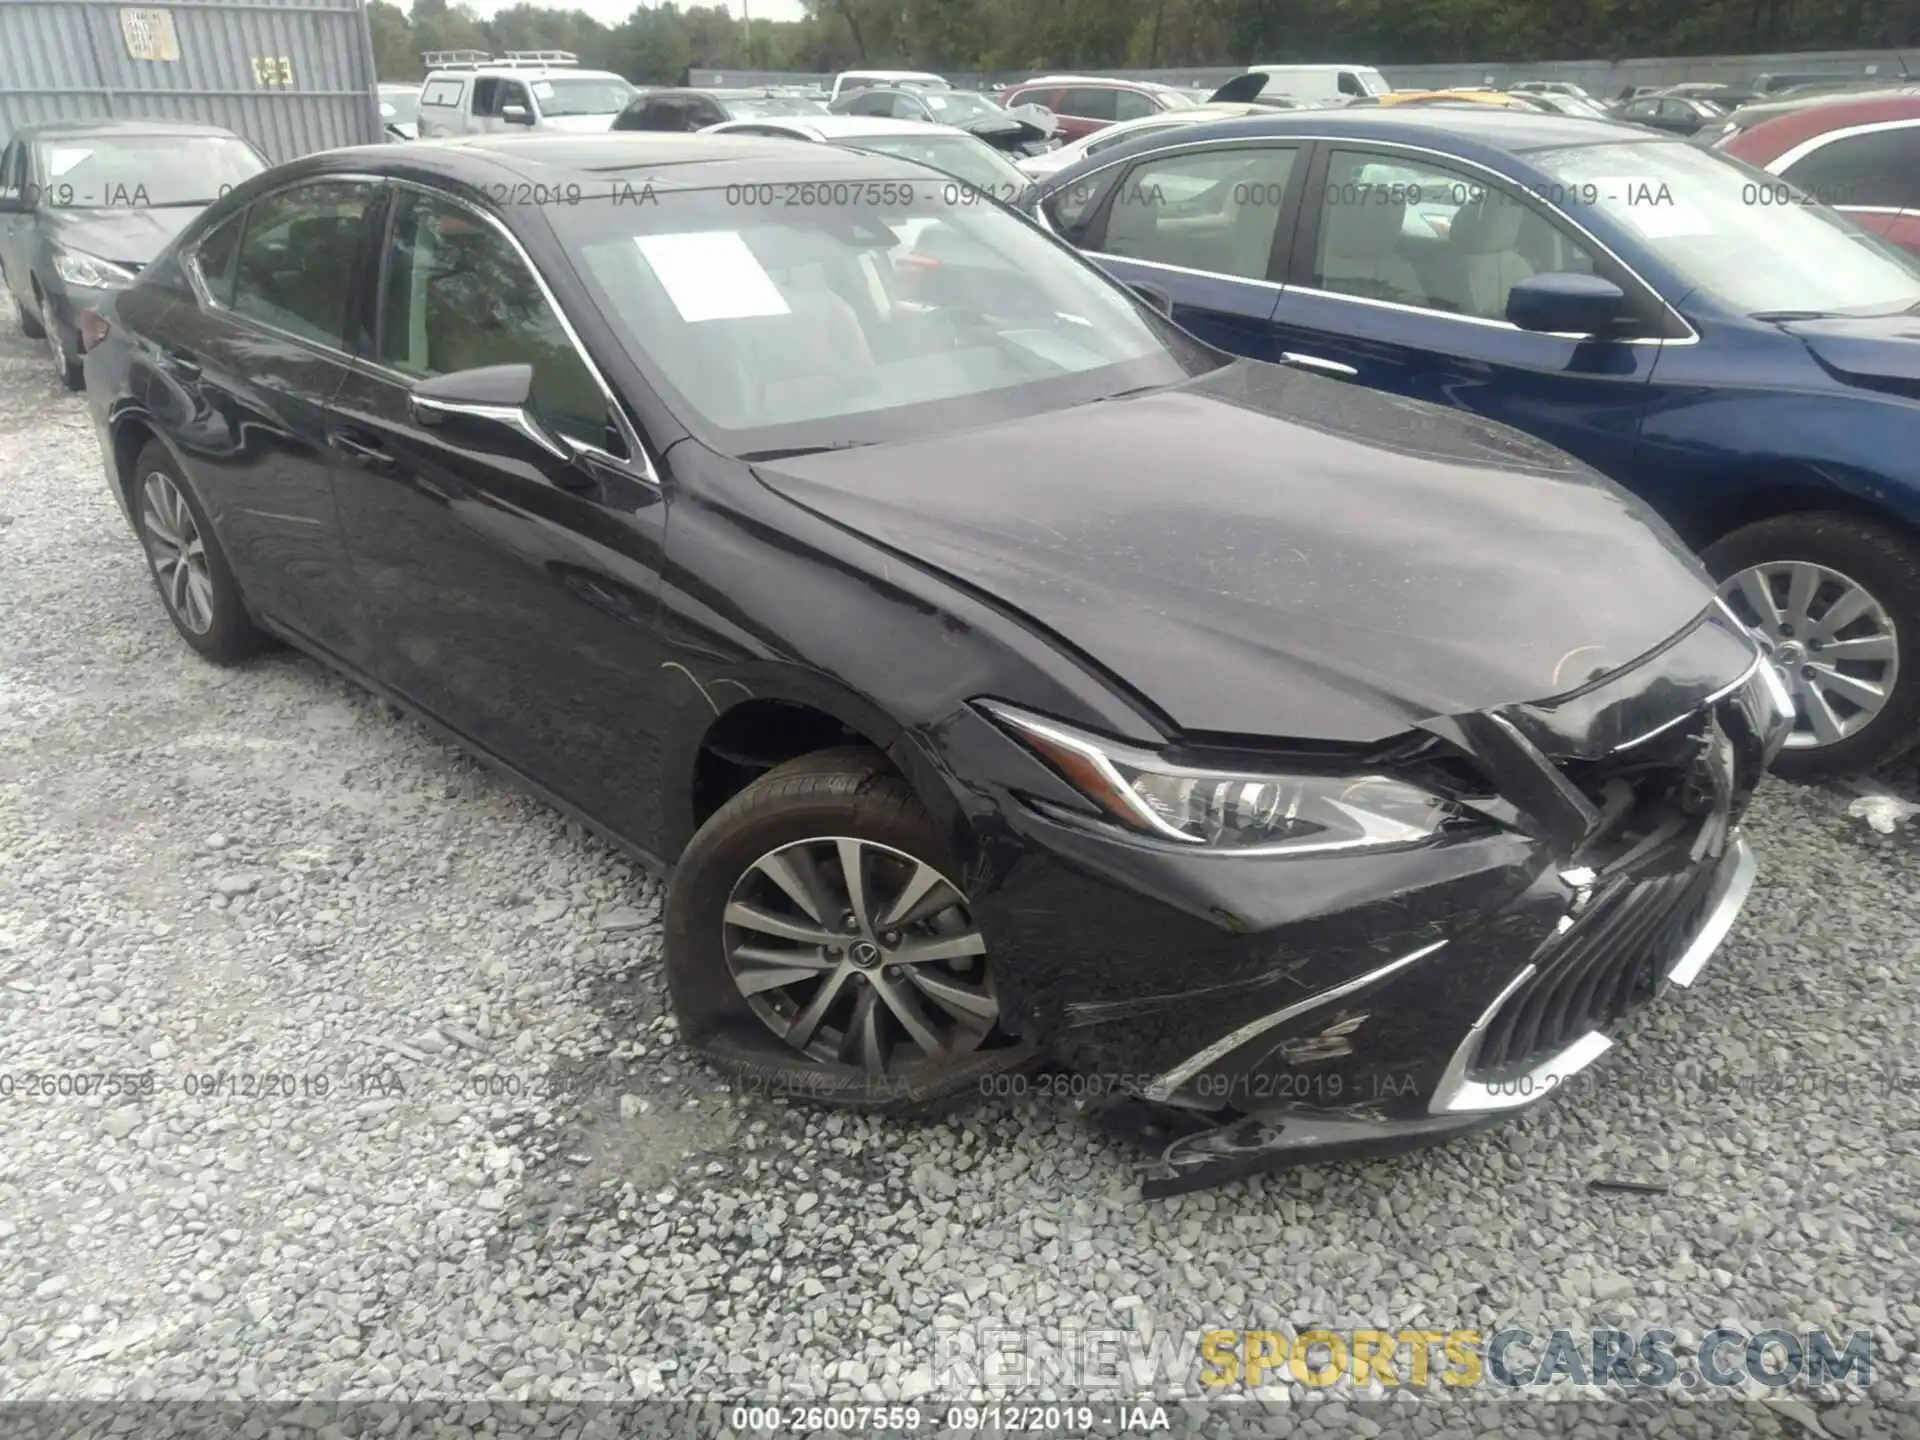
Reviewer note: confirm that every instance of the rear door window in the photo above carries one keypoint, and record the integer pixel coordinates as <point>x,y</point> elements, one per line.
<point>1878,169</point>
<point>1132,105</point>
<point>298,258</point>
<point>1087,102</point>
<point>1209,210</point>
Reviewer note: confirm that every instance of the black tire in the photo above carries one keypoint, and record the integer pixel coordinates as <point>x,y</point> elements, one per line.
<point>29,327</point>
<point>1884,562</point>
<point>849,792</point>
<point>60,346</point>
<point>231,635</point>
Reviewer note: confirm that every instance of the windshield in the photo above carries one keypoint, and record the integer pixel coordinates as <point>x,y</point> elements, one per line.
<point>1177,99</point>
<point>882,309</point>
<point>400,106</point>
<point>757,106</point>
<point>1743,236</point>
<point>1374,83</point>
<point>957,107</point>
<point>142,171</point>
<point>961,156</point>
<point>581,95</point>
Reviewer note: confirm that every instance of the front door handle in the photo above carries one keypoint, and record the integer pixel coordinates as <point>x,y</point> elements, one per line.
<point>363,453</point>
<point>1314,362</point>
<point>181,363</point>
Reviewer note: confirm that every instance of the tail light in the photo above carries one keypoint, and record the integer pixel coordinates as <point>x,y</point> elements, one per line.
<point>93,329</point>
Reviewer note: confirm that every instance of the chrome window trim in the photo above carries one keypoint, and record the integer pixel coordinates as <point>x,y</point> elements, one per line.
<point>1692,337</point>
<point>1779,164</point>
<point>369,365</point>
<point>1220,275</point>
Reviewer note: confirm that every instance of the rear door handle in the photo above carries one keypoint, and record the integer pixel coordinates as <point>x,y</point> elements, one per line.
<point>1314,362</point>
<point>363,453</point>
<point>181,363</point>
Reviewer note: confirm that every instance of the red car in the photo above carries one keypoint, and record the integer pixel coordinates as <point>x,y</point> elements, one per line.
<point>1862,157</point>
<point>1085,103</point>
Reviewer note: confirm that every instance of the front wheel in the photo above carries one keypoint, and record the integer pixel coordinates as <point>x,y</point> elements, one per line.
<point>29,326</point>
<point>817,943</point>
<point>189,568</point>
<point>1837,601</point>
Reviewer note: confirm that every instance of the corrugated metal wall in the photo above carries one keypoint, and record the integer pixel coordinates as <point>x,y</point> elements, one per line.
<point>293,76</point>
<point>1599,77</point>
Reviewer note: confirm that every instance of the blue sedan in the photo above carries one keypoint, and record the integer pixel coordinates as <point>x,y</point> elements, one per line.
<point>1745,360</point>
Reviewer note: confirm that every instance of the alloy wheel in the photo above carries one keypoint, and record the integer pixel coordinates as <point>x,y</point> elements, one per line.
<point>1836,643</point>
<point>857,953</point>
<point>178,553</point>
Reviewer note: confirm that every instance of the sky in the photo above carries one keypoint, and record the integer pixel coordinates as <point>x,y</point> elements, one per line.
<point>615,12</point>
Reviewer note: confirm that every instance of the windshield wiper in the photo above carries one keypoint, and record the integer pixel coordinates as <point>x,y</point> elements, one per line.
<point>795,451</point>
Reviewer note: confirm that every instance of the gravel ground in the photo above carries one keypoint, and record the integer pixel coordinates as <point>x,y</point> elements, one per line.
<point>463,1157</point>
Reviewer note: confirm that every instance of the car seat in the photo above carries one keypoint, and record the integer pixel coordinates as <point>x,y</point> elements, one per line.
<point>1359,252</point>
<point>1482,262</point>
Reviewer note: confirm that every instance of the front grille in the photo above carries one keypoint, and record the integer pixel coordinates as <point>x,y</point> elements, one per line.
<point>1603,965</point>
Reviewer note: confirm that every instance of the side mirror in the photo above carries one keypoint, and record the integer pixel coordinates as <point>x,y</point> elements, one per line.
<point>516,115</point>
<point>489,398</point>
<point>1563,303</point>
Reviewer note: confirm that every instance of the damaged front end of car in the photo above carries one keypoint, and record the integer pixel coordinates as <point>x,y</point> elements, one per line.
<point>1356,1002</point>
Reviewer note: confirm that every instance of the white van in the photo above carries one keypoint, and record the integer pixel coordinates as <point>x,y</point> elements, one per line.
<point>865,79</point>
<point>468,92</point>
<point>1322,82</point>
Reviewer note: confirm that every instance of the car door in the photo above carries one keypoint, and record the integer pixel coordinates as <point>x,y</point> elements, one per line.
<point>1399,278</point>
<point>513,589</point>
<point>15,218</point>
<point>1871,173</point>
<point>1196,229</point>
<point>238,382</point>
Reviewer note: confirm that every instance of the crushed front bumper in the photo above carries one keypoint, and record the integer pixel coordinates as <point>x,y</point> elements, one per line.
<point>1237,1013</point>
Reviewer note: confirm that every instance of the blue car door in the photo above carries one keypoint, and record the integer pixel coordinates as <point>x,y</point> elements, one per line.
<point>1198,229</point>
<point>1398,280</point>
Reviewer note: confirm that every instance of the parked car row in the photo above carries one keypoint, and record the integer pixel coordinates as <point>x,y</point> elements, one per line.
<point>968,640</point>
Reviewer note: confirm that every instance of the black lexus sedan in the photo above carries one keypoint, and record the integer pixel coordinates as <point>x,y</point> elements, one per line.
<point>1003,677</point>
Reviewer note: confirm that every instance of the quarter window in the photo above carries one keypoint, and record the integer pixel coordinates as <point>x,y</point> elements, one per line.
<point>296,260</point>
<point>457,296</point>
<point>1418,234</point>
<point>1880,168</point>
<point>1213,210</point>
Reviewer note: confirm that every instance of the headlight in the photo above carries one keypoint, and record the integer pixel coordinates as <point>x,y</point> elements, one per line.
<point>1230,810</point>
<point>90,271</point>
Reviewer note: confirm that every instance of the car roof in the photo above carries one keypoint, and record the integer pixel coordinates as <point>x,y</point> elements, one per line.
<point>1779,134</point>
<point>525,72</point>
<point>1486,127</point>
<point>666,161</point>
<point>80,128</point>
<point>1093,80</point>
<point>1759,111</point>
<point>849,127</point>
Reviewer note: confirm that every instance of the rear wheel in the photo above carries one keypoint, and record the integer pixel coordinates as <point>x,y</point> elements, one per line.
<point>189,568</point>
<point>817,941</point>
<point>1837,602</point>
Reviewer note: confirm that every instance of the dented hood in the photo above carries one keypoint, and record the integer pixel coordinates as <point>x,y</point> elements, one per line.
<point>1263,552</point>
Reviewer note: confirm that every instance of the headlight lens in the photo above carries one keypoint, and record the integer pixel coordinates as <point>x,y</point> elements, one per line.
<point>90,271</point>
<point>1224,810</point>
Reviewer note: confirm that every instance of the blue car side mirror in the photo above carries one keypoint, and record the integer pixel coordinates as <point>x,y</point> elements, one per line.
<point>1564,303</point>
